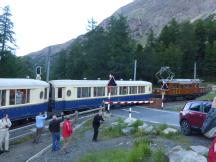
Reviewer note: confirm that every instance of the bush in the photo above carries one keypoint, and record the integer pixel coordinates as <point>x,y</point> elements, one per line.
<point>159,156</point>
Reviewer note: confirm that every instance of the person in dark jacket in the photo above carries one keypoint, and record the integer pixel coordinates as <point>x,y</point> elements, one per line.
<point>209,125</point>
<point>96,124</point>
<point>54,127</point>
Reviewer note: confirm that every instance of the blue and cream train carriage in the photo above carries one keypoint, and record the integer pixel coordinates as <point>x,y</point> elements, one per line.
<point>23,98</point>
<point>78,94</point>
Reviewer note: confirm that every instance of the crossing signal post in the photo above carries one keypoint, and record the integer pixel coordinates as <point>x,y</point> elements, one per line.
<point>110,84</point>
<point>38,72</point>
<point>164,88</point>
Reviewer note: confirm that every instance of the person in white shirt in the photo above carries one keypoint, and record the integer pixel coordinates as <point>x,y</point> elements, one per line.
<point>40,123</point>
<point>5,124</point>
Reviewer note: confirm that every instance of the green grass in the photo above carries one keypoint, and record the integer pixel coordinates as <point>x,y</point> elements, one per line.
<point>159,155</point>
<point>140,152</point>
<point>112,131</point>
<point>208,96</point>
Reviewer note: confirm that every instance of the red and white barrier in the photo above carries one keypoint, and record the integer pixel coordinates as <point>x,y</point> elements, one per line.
<point>127,102</point>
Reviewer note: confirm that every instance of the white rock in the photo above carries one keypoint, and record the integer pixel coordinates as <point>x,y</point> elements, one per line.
<point>200,149</point>
<point>169,130</point>
<point>130,121</point>
<point>146,128</point>
<point>211,133</point>
<point>178,154</point>
<point>127,130</point>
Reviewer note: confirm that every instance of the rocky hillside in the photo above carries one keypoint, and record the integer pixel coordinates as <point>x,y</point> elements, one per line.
<point>149,14</point>
<point>155,14</point>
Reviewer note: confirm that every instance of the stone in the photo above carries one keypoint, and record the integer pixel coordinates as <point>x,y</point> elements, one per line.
<point>146,128</point>
<point>200,149</point>
<point>130,121</point>
<point>178,154</point>
<point>127,131</point>
<point>169,130</point>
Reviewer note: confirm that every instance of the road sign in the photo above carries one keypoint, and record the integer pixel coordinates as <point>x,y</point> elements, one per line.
<point>164,86</point>
<point>112,81</point>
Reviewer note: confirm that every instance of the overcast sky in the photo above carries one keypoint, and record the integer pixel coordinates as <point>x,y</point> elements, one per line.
<point>40,23</point>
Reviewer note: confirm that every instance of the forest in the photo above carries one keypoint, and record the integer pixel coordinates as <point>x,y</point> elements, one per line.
<point>103,51</point>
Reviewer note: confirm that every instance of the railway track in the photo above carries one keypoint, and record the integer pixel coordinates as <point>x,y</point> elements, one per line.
<point>30,129</point>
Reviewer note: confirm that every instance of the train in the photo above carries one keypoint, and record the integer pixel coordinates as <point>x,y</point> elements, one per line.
<point>179,89</point>
<point>25,98</point>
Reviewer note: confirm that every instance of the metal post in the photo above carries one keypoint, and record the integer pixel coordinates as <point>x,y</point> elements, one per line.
<point>108,107</point>
<point>48,64</point>
<point>135,67</point>
<point>76,116</point>
<point>162,98</point>
<point>195,70</point>
<point>130,115</point>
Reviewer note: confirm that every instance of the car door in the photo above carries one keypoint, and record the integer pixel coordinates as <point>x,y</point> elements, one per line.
<point>206,108</point>
<point>196,115</point>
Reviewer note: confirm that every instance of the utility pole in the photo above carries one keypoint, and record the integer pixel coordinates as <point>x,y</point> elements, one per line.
<point>135,67</point>
<point>195,70</point>
<point>48,64</point>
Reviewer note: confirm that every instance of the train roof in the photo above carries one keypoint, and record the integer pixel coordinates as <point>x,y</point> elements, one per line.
<point>181,81</point>
<point>11,83</point>
<point>92,83</point>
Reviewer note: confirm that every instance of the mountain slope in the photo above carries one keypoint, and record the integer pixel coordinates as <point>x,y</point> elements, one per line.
<point>155,14</point>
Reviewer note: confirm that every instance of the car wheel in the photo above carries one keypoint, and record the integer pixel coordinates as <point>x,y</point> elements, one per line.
<point>185,128</point>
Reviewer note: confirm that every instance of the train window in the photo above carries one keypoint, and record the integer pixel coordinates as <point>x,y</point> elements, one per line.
<point>99,91</point>
<point>83,92</point>
<point>133,90</point>
<point>12,97</point>
<point>150,89</point>
<point>20,96</point>
<point>141,89</point>
<point>41,94</point>
<point>59,92</point>
<point>113,91</point>
<point>28,96</point>
<point>123,90</point>
<point>68,93</point>
<point>2,97</point>
<point>45,93</point>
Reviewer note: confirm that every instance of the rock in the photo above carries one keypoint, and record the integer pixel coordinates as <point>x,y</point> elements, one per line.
<point>127,131</point>
<point>169,130</point>
<point>200,149</point>
<point>146,128</point>
<point>211,133</point>
<point>130,121</point>
<point>178,154</point>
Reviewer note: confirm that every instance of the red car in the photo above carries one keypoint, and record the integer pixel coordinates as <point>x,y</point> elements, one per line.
<point>193,115</point>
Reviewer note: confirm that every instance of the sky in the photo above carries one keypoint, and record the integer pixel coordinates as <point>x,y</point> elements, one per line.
<point>41,23</point>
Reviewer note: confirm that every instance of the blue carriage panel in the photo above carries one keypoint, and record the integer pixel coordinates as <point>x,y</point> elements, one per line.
<point>21,112</point>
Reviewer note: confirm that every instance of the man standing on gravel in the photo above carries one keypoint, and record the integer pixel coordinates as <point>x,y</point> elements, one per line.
<point>96,124</point>
<point>5,124</point>
<point>54,127</point>
<point>40,122</point>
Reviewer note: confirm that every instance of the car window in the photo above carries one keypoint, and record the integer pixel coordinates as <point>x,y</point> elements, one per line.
<point>195,107</point>
<point>206,107</point>
<point>187,106</point>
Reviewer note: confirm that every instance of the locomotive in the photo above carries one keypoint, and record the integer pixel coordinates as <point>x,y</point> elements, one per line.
<point>25,98</point>
<point>179,89</point>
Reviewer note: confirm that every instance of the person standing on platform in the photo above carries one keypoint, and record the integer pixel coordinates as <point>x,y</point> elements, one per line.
<point>40,123</point>
<point>66,133</point>
<point>5,124</point>
<point>54,127</point>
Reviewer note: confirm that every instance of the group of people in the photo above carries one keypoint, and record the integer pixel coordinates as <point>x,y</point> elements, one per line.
<point>54,128</point>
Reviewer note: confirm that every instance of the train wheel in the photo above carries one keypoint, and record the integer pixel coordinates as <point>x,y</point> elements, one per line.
<point>185,128</point>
